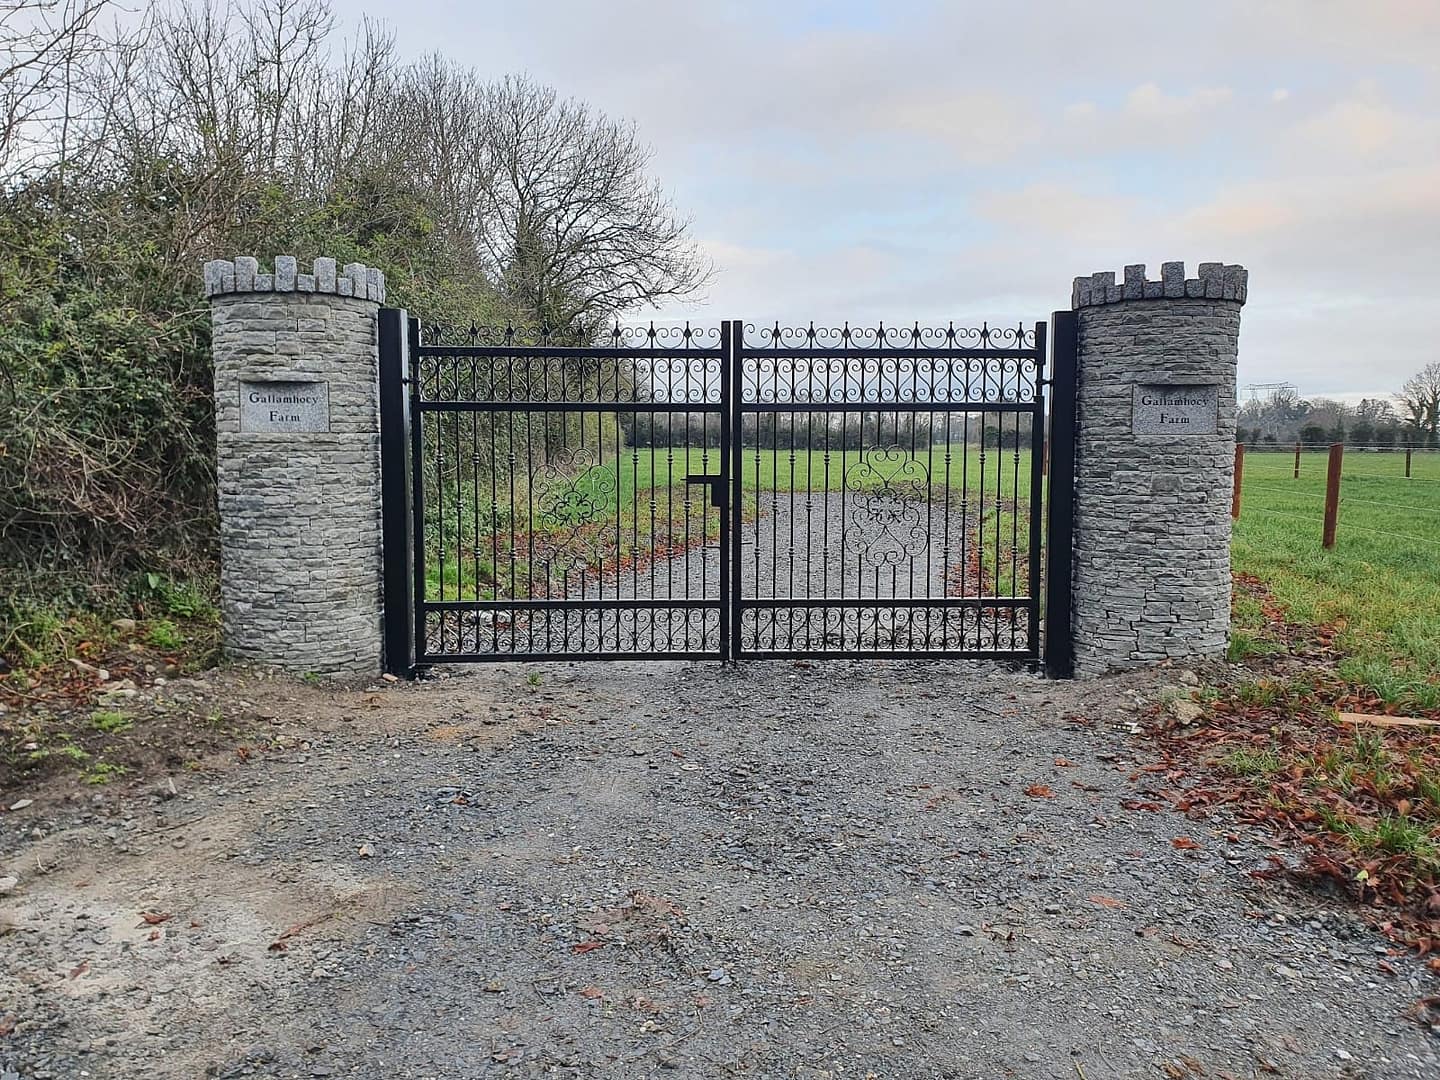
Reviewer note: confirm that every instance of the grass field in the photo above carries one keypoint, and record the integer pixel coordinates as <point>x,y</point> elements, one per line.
<point>1381,581</point>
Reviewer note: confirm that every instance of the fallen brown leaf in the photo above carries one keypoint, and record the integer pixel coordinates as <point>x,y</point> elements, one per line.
<point>1039,791</point>
<point>1106,901</point>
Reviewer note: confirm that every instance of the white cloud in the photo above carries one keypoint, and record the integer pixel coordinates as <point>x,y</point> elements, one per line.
<point>1149,100</point>
<point>937,159</point>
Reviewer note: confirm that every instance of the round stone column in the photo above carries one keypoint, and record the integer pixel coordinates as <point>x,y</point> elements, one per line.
<point>1154,462</point>
<point>298,463</point>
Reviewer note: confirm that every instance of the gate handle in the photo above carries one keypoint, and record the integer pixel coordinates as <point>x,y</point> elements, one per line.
<point>717,487</point>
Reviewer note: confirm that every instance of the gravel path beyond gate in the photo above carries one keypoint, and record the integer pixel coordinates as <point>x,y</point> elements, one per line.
<point>625,870</point>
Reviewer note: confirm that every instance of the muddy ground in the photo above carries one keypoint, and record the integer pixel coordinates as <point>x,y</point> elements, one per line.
<point>626,870</point>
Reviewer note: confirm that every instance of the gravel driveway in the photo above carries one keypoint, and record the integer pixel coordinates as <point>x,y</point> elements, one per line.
<point>785,870</point>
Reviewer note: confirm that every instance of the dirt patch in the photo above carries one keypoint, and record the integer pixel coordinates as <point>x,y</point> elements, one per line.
<point>1265,743</point>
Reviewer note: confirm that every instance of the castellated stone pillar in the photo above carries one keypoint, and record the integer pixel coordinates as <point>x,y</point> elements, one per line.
<point>1154,461</point>
<point>297,428</point>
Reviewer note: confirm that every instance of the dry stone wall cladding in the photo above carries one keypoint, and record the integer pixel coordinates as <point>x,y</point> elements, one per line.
<point>297,422</point>
<point>1154,450</point>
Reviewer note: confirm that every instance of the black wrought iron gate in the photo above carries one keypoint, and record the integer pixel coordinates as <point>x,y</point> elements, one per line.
<point>720,493</point>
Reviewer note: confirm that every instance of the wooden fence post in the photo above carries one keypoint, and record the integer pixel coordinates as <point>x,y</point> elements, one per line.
<point>1297,461</point>
<point>1407,463</point>
<point>1332,493</point>
<point>1235,490</point>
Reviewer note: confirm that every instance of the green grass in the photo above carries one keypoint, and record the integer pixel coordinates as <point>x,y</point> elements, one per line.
<point>1253,763</point>
<point>110,722</point>
<point>164,634</point>
<point>1381,581</point>
<point>102,772</point>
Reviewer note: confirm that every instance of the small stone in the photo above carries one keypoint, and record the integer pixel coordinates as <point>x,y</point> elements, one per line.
<point>21,804</point>
<point>1286,972</point>
<point>366,851</point>
<point>716,975</point>
<point>1189,678</point>
<point>1185,711</point>
<point>8,885</point>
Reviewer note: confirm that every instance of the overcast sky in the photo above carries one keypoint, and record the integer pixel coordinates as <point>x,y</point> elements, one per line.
<point>913,160</point>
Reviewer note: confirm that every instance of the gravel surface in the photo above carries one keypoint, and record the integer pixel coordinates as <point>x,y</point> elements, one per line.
<point>787,870</point>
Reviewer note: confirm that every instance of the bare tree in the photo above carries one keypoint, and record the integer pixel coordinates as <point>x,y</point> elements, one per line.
<point>41,44</point>
<point>572,226</point>
<point>1420,398</point>
<point>233,125</point>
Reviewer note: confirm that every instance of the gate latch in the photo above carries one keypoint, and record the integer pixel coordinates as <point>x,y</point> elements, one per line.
<point>717,487</point>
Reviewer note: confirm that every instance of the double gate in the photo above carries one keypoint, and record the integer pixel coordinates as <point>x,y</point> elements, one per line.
<point>718,493</point>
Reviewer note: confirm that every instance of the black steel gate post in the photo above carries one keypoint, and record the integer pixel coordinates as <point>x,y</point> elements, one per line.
<point>732,337</point>
<point>398,559</point>
<point>417,483</point>
<point>1060,525</point>
<point>1037,495</point>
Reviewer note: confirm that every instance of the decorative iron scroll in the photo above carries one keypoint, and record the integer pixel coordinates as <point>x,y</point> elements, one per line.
<point>574,493</point>
<point>878,379</point>
<point>901,629</point>
<point>617,377</point>
<point>597,632</point>
<point>887,490</point>
<point>880,338</point>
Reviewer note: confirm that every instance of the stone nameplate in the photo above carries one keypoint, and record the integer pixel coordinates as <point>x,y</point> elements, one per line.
<point>1176,410</point>
<point>284,406</point>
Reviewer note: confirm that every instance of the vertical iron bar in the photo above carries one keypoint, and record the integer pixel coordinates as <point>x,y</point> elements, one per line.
<point>475,482</point>
<point>617,360</point>
<point>654,612</point>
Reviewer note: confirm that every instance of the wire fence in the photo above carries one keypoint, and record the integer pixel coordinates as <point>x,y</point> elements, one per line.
<point>1385,495</point>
